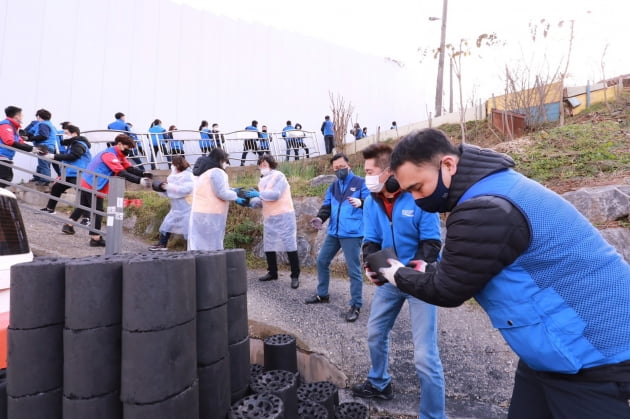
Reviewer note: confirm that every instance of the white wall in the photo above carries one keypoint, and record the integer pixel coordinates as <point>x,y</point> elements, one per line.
<point>86,60</point>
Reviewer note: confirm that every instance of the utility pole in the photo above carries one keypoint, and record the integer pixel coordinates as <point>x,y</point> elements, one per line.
<point>440,76</point>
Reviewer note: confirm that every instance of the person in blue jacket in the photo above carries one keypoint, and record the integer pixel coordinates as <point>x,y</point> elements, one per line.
<point>556,290</point>
<point>343,206</point>
<point>265,142</point>
<point>251,144</point>
<point>392,220</point>
<point>289,140</point>
<point>10,137</point>
<point>43,134</point>
<point>119,123</point>
<point>77,154</point>
<point>328,131</point>
<point>204,133</point>
<point>158,143</point>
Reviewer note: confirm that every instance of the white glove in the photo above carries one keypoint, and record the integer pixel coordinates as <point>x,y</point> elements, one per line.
<point>146,182</point>
<point>317,223</point>
<point>389,273</point>
<point>355,202</point>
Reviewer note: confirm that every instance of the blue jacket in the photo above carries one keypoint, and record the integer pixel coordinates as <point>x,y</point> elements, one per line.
<point>118,125</point>
<point>284,132</point>
<point>408,227</point>
<point>81,162</point>
<point>345,220</point>
<point>9,153</point>
<point>264,141</point>
<point>563,304</point>
<point>157,135</point>
<point>328,128</point>
<point>46,129</point>
<point>205,138</point>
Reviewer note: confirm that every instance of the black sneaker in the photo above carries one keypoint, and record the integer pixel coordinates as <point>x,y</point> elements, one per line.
<point>47,210</point>
<point>295,282</point>
<point>317,299</point>
<point>158,248</point>
<point>67,229</point>
<point>100,242</point>
<point>85,221</point>
<point>352,314</point>
<point>368,391</point>
<point>268,277</point>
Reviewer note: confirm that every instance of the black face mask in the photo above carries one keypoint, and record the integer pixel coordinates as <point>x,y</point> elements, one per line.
<point>126,151</point>
<point>66,141</point>
<point>436,202</point>
<point>342,173</point>
<point>392,185</point>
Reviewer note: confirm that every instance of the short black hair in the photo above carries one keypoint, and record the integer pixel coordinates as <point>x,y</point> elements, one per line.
<point>288,122</point>
<point>269,159</point>
<point>73,129</point>
<point>44,114</point>
<point>118,115</point>
<point>125,140</point>
<point>11,111</point>
<point>339,156</point>
<point>219,155</point>
<point>255,123</point>
<point>381,152</point>
<point>422,146</point>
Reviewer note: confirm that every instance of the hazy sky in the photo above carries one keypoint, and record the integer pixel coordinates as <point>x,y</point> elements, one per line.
<point>398,28</point>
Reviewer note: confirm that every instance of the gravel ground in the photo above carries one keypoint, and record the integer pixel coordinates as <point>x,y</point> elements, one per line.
<point>478,365</point>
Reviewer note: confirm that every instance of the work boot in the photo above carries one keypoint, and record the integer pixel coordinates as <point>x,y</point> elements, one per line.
<point>353,314</point>
<point>317,299</point>
<point>268,277</point>
<point>67,229</point>
<point>100,242</point>
<point>295,282</point>
<point>368,391</point>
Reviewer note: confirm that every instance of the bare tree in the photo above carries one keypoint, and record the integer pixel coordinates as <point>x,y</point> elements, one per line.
<point>528,89</point>
<point>602,65</point>
<point>456,53</point>
<point>341,114</point>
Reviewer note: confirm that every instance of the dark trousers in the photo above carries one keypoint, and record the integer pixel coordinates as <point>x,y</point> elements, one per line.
<point>86,201</point>
<point>329,143</point>
<point>6,173</point>
<point>164,238</point>
<point>249,145</point>
<point>540,395</point>
<point>57,190</point>
<point>294,262</point>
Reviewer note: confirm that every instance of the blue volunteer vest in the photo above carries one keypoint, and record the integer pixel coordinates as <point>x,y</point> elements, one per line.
<point>563,304</point>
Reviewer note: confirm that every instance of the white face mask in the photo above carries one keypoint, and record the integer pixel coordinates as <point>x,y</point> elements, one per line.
<point>373,184</point>
<point>265,171</point>
<point>224,165</point>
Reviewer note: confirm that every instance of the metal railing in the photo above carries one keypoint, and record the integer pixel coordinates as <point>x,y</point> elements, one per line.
<point>113,211</point>
<point>156,152</point>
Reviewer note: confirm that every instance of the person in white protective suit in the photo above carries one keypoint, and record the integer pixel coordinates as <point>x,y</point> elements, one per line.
<point>211,199</point>
<point>279,224</point>
<point>178,188</point>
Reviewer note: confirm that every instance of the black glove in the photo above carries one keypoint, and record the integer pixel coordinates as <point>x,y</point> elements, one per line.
<point>23,146</point>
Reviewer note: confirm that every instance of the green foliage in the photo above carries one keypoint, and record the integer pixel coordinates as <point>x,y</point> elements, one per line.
<point>579,150</point>
<point>242,235</point>
<point>150,215</point>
